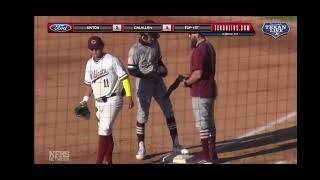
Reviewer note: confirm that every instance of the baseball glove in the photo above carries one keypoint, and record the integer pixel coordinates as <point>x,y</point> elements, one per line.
<point>82,111</point>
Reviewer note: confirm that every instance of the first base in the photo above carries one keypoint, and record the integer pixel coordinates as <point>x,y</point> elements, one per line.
<point>181,158</point>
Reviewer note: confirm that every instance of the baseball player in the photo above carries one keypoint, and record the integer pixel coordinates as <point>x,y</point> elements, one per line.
<point>145,63</point>
<point>104,77</point>
<point>204,93</point>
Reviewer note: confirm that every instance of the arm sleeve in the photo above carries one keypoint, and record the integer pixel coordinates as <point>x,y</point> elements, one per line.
<point>127,87</point>
<point>133,67</point>
<point>87,76</point>
<point>160,62</point>
<point>119,69</point>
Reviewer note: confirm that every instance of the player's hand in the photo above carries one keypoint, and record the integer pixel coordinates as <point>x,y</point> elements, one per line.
<point>184,84</point>
<point>131,104</point>
<point>84,103</point>
<point>186,76</point>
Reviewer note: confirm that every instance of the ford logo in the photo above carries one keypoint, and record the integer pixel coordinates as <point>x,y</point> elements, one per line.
<point>60,27</point>
<point>275,29</point>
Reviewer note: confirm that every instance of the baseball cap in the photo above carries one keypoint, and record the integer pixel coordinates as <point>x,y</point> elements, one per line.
<point>95,42</point>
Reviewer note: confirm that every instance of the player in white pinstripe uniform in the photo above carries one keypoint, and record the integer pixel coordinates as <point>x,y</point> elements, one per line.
<point>104,77</point>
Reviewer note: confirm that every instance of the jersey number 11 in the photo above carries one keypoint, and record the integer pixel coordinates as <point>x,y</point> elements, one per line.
<point>106,83</point>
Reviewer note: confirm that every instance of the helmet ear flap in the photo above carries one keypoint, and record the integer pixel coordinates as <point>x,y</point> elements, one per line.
<point>144,37</point>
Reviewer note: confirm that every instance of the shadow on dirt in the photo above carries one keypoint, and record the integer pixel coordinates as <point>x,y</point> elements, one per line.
<point>259,140</point>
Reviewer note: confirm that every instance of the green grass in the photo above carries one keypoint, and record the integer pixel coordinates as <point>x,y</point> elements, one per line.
<point>283,18</point>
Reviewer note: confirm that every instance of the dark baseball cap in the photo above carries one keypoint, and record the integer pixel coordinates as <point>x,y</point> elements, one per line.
<point>95,42</point>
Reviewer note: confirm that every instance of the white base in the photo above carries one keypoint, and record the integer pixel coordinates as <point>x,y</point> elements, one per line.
<point>181,158</point>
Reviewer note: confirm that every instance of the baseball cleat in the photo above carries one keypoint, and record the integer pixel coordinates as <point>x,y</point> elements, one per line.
<point>141,154</point>
<point>200,159</point>
<point>204,161</point>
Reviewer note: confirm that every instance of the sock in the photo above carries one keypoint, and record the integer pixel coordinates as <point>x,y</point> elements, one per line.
<point>102,149</point>
<point>171,123</point>
<point>140,132</point>
<point>212,144</point>
<point>212,148</point>
<point>205,148</point>
<point>204,136</point>
<point>109,149</point>
<point>176,141</point>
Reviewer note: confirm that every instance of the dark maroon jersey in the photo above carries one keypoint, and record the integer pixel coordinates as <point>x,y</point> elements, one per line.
<point>204,58</point>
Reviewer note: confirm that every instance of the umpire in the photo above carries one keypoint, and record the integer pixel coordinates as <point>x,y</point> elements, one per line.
<point>203,92</point>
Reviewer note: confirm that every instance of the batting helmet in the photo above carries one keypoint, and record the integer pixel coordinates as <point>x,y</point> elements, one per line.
<point>153,35</point>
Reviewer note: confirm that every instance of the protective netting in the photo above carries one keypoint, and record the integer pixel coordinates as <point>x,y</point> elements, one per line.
<point>255,111</point>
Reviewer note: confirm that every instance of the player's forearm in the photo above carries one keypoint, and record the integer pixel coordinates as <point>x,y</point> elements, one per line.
<point>194,77</point>
<point>135,72</point>
<point>127,86</point>
<point>87,93</point>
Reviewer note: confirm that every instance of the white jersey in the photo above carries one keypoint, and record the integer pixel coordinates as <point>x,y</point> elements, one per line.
<point>105,75</point>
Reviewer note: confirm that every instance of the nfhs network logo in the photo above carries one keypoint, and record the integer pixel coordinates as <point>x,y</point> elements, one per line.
<point>60,27</point>
<point>275,29</point>
<point>59,155</point>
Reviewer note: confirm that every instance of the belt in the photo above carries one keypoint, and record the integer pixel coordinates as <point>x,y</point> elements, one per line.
<point>105,98</point>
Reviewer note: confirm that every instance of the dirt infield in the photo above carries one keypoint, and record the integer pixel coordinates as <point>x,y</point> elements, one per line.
<point>255,110</point>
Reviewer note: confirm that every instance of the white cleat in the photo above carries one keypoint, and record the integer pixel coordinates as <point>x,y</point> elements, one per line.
<point>141,154</point>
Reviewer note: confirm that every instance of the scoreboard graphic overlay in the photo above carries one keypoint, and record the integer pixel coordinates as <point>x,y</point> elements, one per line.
<point>214,29</point>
